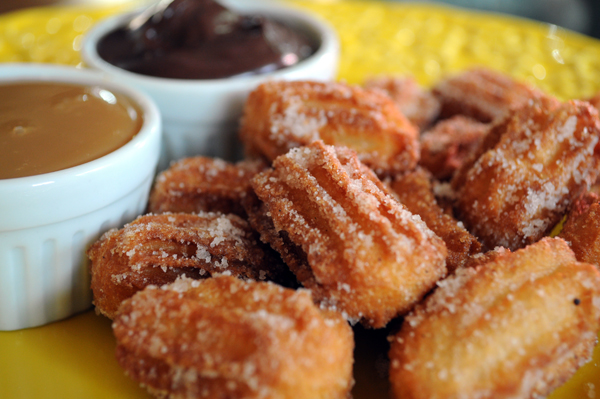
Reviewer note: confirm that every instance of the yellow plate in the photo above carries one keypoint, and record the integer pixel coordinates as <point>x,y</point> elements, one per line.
<point>75,358</point>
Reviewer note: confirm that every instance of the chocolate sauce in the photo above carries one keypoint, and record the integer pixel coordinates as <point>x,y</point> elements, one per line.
<point>201,39</point>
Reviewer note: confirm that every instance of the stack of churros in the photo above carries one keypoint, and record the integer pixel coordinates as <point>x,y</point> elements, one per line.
<point>426,212</point>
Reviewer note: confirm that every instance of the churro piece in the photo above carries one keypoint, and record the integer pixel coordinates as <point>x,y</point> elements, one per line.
<point>414,190</point>
<point>516,327</point>
<point>527,171</point>
<point>445,196</point>
<point>226,338</point>
<point>482,94</point>
<point>419,105</point>
<point>343,235</point>
<point>448,143</point>
<point>582,228</point>
<point>486,257</point>
<point>282,115</point>
<point>203,184</point>
<point>156,249</point>
<point>595,101</point>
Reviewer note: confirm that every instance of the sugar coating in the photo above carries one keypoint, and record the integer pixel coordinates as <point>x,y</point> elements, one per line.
<point>156,249</point>
<point>582,228</point>
<point>506,327</point>
<point>519,187</point>
<point>419,105</point>
<point>222,335</point>
<point>448,143</point>
<point>483,94</point>
<point>281,115</point>
<point>207,230</point>
<point>203,184</point>
<point>366,253</point>
<point>415,191</point>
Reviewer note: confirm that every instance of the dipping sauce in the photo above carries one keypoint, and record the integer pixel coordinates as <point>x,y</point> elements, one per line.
<point>201,39</point>
<point>45,127</point>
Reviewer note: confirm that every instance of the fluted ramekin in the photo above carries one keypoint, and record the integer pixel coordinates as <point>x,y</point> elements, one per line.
<point>47,221</point>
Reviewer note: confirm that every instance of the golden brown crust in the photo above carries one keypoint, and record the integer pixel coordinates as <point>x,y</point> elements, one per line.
<point>486,257</point>
<point>352,244</point>
<point>527,171</point>
<point>293,255</point>
<point>448,143</point>
<point>516,327</point>
<point>203,184</point>
<point>226,338</point>
<point>414,190</point>
<point>595,101</point>
<point>420,106</point>
<point>482,94</point>
<point>282,115</point>
<point>156,249</point>
<point>582,228</point>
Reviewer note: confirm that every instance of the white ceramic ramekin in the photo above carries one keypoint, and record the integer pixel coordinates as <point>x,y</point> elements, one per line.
<point>200,117</point>
<point>48,221</point>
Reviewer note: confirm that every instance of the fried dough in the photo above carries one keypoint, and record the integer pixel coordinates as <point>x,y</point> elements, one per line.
<point>156,249</point>
<point>203,184</point>
<point>516,327</point>
<point>527,171</point>
<point>415,191</point>
<point>582,228</point>
<point>448,143</point>
<point>483,94</point>
<point>226,338</point>
<point>281,115</point>
<point>419,105</point>
<point>595,101</point>
<point>343,235</point>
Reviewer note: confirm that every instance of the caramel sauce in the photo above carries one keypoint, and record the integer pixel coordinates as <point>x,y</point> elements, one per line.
<point>45,127</point>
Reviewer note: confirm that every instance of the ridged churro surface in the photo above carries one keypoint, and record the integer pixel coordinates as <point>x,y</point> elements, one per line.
<point>344,236</point>
<point>417,103</point>
<point>446,146</point>
<point>515,327</point>
<point>527,171</point>
<point>582,228</point>
<point>203,184</point>
<point>415,191</point>
<point>156,249</point>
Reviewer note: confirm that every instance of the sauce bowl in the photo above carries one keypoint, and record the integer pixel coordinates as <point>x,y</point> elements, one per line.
<point>47,221</point>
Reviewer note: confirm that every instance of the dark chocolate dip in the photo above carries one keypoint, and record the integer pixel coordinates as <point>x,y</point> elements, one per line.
<point>201,39</point>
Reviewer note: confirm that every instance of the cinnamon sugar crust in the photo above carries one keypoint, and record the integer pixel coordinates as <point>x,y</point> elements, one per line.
<point>419,105</point>
<point>582,228</point>
<point>156,249</point>
<point>527,171</point>
<point>515,327</point>
<point>482,94</point>
<point>227,338</point>
<point>415,191</point>
<point>281,115</point>
<point>446,146</point>
<point>203,184</point>
<point>344,236</point>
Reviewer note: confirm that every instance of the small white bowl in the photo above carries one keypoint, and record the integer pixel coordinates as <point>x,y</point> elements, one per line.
<point>200,117</point>
<point>48,221</point>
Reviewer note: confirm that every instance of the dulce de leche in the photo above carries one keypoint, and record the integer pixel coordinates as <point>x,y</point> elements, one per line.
<point>45,127</point>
